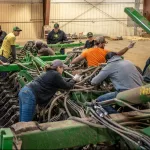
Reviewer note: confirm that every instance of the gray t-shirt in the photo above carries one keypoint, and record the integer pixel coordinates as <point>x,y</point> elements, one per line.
<point>122,73</point>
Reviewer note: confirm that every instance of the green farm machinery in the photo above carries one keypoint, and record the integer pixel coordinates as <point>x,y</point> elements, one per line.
<point>72,120</point>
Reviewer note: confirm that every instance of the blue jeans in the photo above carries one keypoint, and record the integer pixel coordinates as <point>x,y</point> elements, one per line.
<point>27,103</point>
<point>105,97</point>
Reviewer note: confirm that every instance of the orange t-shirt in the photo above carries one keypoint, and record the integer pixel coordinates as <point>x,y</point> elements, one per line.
<point>94,56</point>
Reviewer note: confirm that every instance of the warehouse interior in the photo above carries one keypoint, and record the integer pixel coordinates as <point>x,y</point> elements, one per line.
<point>74,74</point>
<point>85,16</point>
<point>100,17</point>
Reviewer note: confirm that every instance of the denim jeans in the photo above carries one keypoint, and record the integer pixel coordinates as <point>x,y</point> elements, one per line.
<point>105,97</point>
<point>27,103</point>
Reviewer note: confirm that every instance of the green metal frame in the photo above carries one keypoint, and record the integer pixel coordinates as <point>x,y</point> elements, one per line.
<point>60,135</point>
<point>57,46</point>
<point>6,139</point>
<point>40,61</point>
<point>70,45</point>
<point>63,134</point>
<point>24,77</point>
<point>138,18</point>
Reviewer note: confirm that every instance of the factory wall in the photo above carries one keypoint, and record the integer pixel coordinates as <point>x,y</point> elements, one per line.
<point>24,14</point>
<point>104,17</point>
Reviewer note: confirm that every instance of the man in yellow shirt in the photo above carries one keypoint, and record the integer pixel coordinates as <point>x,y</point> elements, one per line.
<point>8,47</point>
<point>96,55</point>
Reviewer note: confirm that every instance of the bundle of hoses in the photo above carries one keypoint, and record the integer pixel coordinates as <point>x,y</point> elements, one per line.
<point>138,139</point>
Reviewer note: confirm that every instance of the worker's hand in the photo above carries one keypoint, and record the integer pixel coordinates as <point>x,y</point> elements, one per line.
<point>6,64</point>
<point>131,45</point>
<point>77,78</point>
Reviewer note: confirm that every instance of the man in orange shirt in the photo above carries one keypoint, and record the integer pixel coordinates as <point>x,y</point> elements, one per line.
<point>96,55</point>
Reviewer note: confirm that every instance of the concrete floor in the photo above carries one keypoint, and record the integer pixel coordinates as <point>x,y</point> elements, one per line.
<point>138,55</point>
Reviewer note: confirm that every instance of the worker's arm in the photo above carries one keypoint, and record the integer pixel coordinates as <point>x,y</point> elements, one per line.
<point>84,47</point>
<point>77,59</point>
<point>5,64</point>
<point>13,49</point>
<point>103,74</point>
<point>1,63</point>
<point>61,83</point>
<point>64,37</point>
<point>123,51</point>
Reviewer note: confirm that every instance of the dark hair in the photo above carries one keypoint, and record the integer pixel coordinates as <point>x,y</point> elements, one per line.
<point>110,55</point>
<point>99,40</point>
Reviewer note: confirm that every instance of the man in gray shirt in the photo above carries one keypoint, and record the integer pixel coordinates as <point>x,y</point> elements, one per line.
<point>122,73</point>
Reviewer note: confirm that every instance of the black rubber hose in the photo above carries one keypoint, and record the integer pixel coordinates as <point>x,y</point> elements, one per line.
<point>128,105</point>
<point>120,130</point>
<point>52,104</point>
<point>65,105</point>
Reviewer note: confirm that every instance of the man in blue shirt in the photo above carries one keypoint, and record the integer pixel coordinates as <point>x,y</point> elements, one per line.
<point>122,73</point>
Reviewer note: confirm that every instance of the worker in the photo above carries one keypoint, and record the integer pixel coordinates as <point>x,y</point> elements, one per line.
<point>43,49</point>
<point>2,35</point>
<point>56,36</point>
<point>90,42</point>
<point>123,75</point>
<point>8,47</point>
<point>95,56</point>
<point>42,89</point>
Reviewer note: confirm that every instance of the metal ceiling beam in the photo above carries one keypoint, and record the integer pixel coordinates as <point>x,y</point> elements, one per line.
<point>46,12</point>
<point>137,7</point>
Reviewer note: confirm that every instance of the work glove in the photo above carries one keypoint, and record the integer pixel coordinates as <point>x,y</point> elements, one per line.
<point>77,78</point>
<point>131,45</point>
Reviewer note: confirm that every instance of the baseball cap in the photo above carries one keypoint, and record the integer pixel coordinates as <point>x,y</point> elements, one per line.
<point>16,29</point>
<point>56,25</point>
<point>89,34</point>
<point>58,63</point>
<point>100,40</point>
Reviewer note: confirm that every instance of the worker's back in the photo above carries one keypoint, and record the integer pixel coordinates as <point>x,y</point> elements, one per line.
<point>46,85</point>
<point>123,74</point>
<point>94,56</point>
